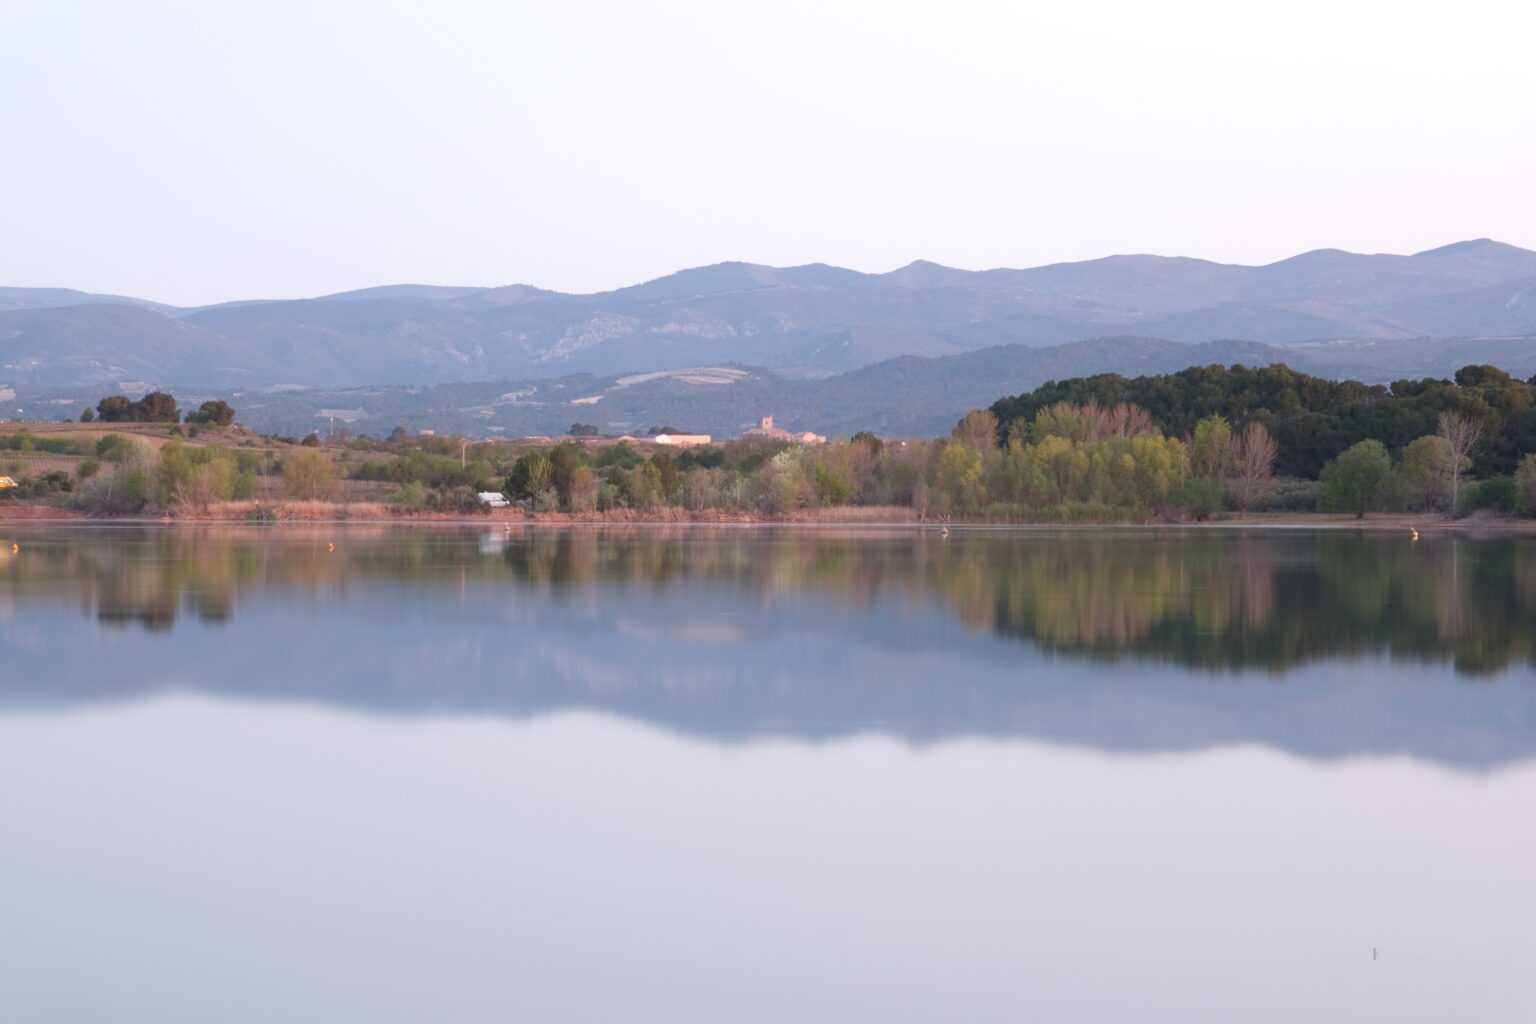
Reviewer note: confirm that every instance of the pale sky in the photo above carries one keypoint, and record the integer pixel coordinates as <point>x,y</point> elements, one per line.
<point>198,151</point>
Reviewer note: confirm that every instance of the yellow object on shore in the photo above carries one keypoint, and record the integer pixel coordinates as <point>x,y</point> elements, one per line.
<point>6,481</point>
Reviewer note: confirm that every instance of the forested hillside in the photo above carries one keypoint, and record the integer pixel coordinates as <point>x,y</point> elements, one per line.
<point>1312,419</point>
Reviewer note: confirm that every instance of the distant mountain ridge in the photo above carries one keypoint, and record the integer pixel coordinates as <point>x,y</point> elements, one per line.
<point>906,396</point>
<point>815,319</point>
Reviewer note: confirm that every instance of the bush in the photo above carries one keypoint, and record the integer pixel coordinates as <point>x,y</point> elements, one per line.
<point>125,492</point>
<point>30,488</point>
<point>464,500</point>
<point>373,469</point>
<point>1497,494</point>
<point>1200,496</point>
<point>1290,494</point>
<point>309,475</point>
<point>412,495</point>
<point>1525,485</point>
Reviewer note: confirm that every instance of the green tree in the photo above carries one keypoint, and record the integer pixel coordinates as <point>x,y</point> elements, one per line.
<point>564,460</point>
<point>1357,480</point>
<point>1200,496</point>
<point>1424,473</point>
<point>957,479</point>
<point>1210,449</point>
<point>176,474</point>
<point>1525,485</point>
<point>831,488</point>
<point>666,474</point>
<point>1497,493</point>
<point>532,474</point>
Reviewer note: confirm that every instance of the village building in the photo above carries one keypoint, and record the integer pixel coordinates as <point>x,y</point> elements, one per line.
<point>682,440</point>
<point>766,431</point>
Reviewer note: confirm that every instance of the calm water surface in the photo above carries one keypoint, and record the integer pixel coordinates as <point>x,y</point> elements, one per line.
<point>376,774</point>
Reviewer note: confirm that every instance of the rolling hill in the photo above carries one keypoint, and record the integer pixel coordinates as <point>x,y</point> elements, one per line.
<point>812,320</point>
<point>906,396</point>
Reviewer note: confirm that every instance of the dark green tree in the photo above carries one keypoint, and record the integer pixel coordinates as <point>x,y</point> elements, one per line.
<point>868,440</point>
<point>115,409</point>
<point>531,475</point>
<point>216,414</point>
<point>156,407</point>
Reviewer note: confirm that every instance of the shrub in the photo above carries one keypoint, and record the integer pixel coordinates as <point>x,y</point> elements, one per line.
<point>1525,485</point>
<point>461,499</point>
<point>1200,496</point>
<point>1290,494</point>
<point>1497,494</point>
<point>309,475</point>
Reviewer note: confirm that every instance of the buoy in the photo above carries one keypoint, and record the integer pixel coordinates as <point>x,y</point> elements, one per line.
<point>330,547</point>
<point>15,548</point>
<point>1414,532</point>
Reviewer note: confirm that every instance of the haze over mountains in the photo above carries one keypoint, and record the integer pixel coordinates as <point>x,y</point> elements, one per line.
<point>1370,315</point>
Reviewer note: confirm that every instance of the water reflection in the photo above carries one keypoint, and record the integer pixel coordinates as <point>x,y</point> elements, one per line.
<point>446,774</point>
<point>1274,600</point>
<point>1324,645</point>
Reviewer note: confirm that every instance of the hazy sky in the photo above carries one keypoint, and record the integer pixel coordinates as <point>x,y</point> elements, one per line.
<point>201,151</point>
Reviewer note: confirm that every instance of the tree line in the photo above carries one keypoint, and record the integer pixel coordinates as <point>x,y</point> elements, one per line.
<point>157,407</point>
<point>1312,420</point>
<point>1075,450</point>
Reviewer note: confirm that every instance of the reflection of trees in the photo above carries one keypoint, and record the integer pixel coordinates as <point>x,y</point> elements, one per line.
<point>1205,598</point>
<point>1214,601</point>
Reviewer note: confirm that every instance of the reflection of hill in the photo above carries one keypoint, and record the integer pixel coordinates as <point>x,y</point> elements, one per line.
<point>740,633</point>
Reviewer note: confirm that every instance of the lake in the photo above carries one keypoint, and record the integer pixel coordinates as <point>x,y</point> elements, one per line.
<point>319,773</point>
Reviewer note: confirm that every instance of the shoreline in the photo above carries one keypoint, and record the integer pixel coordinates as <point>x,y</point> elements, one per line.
<point>887,517</point>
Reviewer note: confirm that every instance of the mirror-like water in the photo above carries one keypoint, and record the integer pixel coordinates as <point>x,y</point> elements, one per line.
<point>383,774</point>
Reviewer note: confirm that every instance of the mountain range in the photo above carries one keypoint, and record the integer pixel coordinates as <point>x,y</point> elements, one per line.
<point>808,320</point>
<point>908,396</point>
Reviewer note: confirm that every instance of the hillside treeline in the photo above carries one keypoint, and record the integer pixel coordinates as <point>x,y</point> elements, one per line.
<point>157,407</point>
<point>1086,450</point>
<point>1312,420</point>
